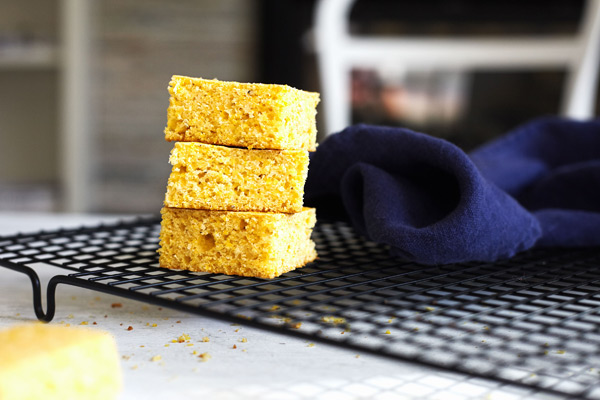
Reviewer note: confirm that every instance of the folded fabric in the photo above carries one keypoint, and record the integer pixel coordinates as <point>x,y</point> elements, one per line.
<point>433,203</point>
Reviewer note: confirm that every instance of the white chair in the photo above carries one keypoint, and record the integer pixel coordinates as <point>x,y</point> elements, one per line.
<point>338,52</point>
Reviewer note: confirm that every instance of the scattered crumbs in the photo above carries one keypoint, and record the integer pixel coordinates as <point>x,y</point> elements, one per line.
<point>237,330</point>
<point>388,332</point>
<point>167,345</point>
<point>430,308</point>
<point>141,345</point>
<point>183,338</point>
<point>189,344</point>
<point>178,322</point>
<point>154,325</point>
<point>156,358</point>
<point>83,323</point>
<point>130,328</point>
<point>70,316</point>
<point>126,357</point>
<point>116,305</point>
<point>204,357</point>
<point>333,320</point>
<point>560,351</point>
<point>275,307</point>
<point>244,340</point>
<point>310,345</point>
<point>205,339</point>
<point>297,325</point>
<point>134,367</point>
<point>234,347</point>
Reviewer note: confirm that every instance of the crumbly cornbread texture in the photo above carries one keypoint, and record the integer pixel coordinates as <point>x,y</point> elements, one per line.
<point>259,244</point>
<point>251,115</point>
<point>47,362</point>
<point>213,177</point>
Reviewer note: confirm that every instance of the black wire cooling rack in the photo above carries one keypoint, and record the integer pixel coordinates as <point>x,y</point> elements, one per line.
<point>531,321</point>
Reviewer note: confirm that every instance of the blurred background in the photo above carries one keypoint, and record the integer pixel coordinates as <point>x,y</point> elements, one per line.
<point>83,84</point>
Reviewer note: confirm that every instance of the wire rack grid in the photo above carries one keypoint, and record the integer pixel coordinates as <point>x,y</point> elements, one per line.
<point>530,321</point>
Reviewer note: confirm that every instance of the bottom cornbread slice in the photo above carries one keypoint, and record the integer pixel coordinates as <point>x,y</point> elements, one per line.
<point>47,362</point>
<point>258,244</point>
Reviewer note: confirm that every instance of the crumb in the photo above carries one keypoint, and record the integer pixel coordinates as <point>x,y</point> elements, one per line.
<point>156,358</point>
<point>105,315</point>
<point>126,357</point>
<point>141,345</point>
<point>297,325</point>
<point>83,323</point>
<point>237,330</point>
<point>70,316</point>
<point>190,344</point>
<point>166,318</point>
<point>357,356</point>
<point>145,308</point>
<point>244,350</point>
<point>205,357</point>
<point>244,340</point>
<point>73,298</point>
<point>68,325</point>
<point>174,341</point>
<point>183,338</point>
<point>429,308</point>
<point>154,325</point>
<point>97,298</point>
<point>130,328</point>
<point>159,308</point>
<point>234,324</point>
<point>134,367</point>
<point>560,351</point>
<point>333,320</point>
<point>61,322</point>
<point>116,305</point>
<point>194,352</point>
<point>94,323</point>
<point>275,308</point>
<point>388,332</point>
<point>310,345</point>
<point>121,324</point>
<point>205,339</point>
<point>234,347</point>
<point>178,322</point>
<point>167,345</point>
<point>415,329</point>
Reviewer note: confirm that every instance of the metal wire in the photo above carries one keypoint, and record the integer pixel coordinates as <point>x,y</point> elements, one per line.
<point>530,321</point>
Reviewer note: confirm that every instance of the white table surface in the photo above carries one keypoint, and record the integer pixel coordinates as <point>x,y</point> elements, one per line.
<point>265,366</point>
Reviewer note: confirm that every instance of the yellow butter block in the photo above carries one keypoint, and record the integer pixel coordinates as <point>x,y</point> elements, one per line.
<point>259,244</point>
<point>39,361</point>
<point>251,115</point>
<point>223,178</point>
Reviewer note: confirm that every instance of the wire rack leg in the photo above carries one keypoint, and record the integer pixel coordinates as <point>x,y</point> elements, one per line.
<point>37,292</point>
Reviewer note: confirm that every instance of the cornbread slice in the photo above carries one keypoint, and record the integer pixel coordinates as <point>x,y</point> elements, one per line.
<point>47,362</point>
<point>263,245</point>
<point>213,177</point>
<point>252,115</point>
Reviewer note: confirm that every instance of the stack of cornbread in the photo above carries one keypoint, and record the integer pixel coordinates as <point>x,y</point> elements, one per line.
<point>234,198</point>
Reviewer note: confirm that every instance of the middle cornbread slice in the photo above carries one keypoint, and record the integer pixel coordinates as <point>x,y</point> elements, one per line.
<point>212,177</point>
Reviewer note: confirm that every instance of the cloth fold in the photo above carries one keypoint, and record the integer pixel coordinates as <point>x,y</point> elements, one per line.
<point>433,203</point>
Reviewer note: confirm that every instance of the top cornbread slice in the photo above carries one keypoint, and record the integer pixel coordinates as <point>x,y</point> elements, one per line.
<point>251,115</point>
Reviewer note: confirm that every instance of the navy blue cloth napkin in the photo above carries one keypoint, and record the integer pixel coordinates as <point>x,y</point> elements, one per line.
<point>539,185</point>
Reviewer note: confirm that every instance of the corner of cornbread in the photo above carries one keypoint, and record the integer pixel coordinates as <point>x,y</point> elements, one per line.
<point>251,115</point>
<point>40,361</point>
<point>259,244</point>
